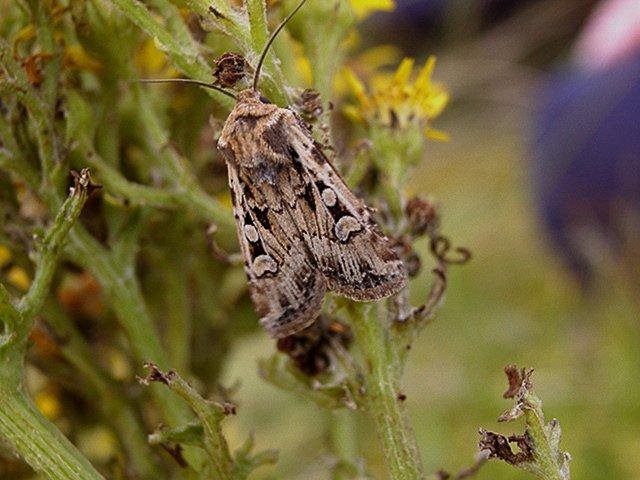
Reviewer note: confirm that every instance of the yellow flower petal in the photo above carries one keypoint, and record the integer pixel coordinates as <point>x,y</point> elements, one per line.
<point>436,135</point>
<point>403,73</point>
<point>424,77</point>
<point>356,86</point>
<point>353,114</point>
<point>97,443</point>
<point>19,278</point>
<point>436,103</point>
<point>5,255</point>
<point>48,404</point>
<point>365,7</point>
<point>118,365</point>
<point>149,59</point>
<point>303,65</point>
<point>379,56</point>
<point>77,57</point>
<point>393,100</point>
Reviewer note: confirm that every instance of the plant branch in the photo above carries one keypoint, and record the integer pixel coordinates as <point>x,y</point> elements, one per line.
<point>17,80</point>
<point>539,448</point>
<point>123,290</point>
<point>48,251</point>
<point>38,441</point>
<point>111,400</point>
<point>210,415</point>
<point>382,397</point>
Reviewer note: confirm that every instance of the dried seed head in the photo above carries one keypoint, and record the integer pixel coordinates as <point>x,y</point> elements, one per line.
<point>310,104</point>
<point>230,69</point>
<point>413,264</point>
<point>422,215</point>
<point>310,349</point>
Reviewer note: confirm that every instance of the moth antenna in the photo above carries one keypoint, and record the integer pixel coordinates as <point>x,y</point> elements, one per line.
<point>272,37</point>
<point>187,80</point>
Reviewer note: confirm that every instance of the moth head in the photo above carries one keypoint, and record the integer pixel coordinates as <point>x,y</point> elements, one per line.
<point>250,95</point>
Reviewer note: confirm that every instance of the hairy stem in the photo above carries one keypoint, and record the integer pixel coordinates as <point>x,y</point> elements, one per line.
<point>382,393</point>
<point>210,415</point>
<point>39,442</point>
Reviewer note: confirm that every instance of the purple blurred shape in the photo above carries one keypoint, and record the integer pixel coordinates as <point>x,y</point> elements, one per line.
<point>586,148</point>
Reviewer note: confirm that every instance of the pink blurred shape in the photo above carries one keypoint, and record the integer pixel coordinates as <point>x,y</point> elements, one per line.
<point>612,33</point>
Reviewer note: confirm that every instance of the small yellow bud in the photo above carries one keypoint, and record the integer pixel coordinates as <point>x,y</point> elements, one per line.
<point>19,278</point>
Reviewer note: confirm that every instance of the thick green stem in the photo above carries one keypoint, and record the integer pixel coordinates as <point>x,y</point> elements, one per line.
<point>257,19</point>
<point>258,23</point>
<point>38,441</point>
<point>382,397</point>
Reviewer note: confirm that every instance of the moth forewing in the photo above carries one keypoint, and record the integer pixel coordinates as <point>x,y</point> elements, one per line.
<point>302,231</point>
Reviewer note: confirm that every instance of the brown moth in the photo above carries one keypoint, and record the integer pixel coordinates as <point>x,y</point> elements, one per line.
<point>301,230</point>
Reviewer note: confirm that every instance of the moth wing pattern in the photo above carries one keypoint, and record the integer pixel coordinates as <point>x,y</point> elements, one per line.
<point>285,285</point>
<point>355,258</point>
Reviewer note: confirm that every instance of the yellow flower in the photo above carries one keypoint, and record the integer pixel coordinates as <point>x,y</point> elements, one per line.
<point>5,256</point>
<point>75,56</point>
<point>365,63</point>
<point>19,278</point>
<point>397,102</point>
<point>303,64</point>
<point>47,402</point>
<point>365,7</point>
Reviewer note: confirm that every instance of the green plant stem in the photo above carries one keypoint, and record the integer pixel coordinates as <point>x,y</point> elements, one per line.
<point>257,12</point>
<point>231,21</point>
<point>214,442</point>
<point>210,415</point>
<point>118,279</point>
<point>259,34</point>
<point>382,388</point>
<point>186,186</point>
<point>47,261</point>
<point>331,24</point>
<point>17,80</point>
<point>175,286</point>
<point>546,459</point>
<point>36,439</point>
<point>38,442</point>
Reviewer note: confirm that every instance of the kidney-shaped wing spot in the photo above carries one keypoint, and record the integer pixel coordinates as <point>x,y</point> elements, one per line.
<point>354,256</point>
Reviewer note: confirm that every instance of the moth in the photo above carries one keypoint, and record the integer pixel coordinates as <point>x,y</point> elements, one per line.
<point>301,230</point>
